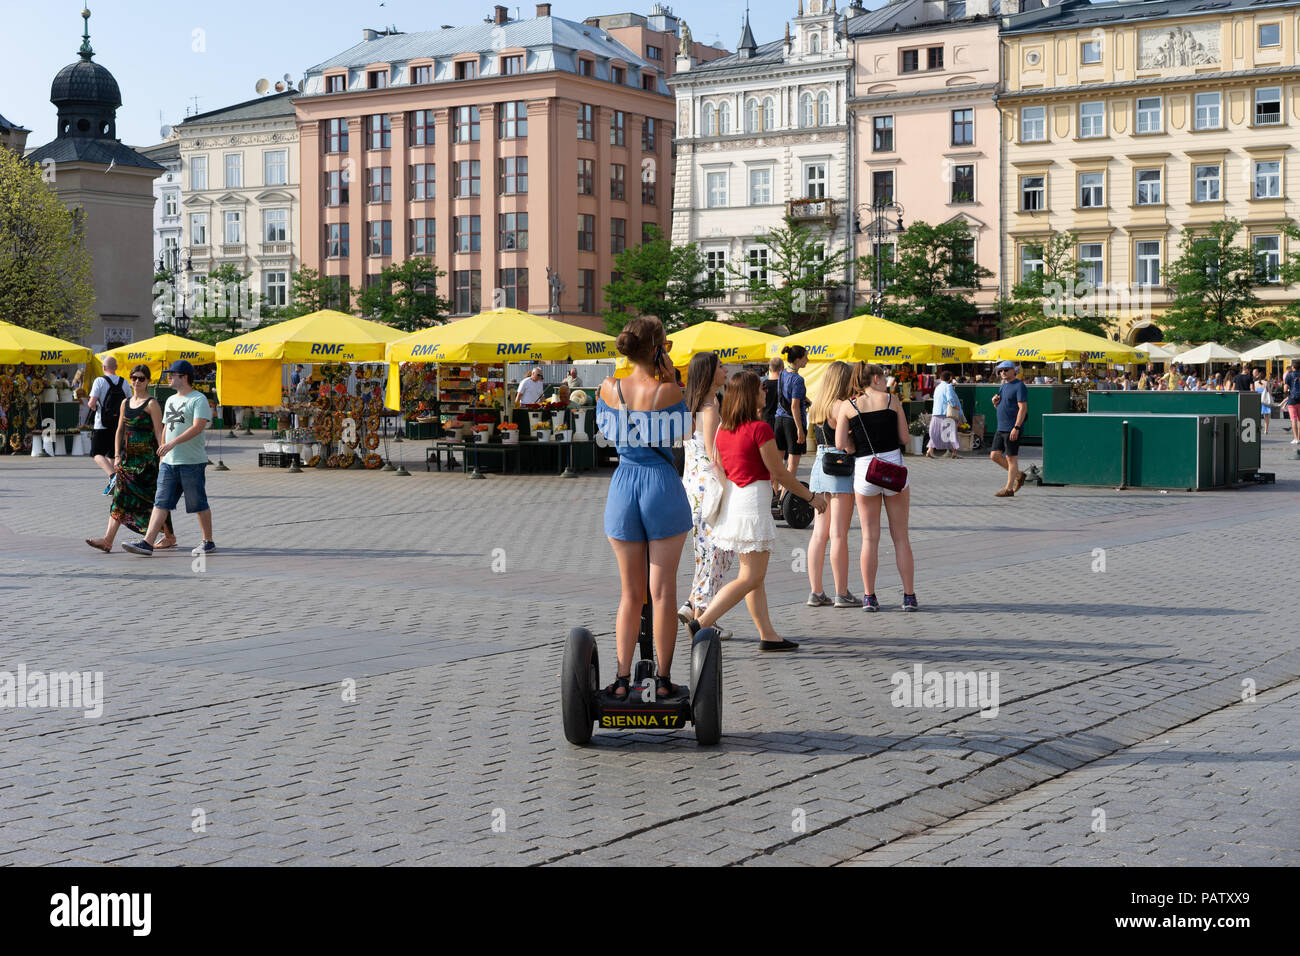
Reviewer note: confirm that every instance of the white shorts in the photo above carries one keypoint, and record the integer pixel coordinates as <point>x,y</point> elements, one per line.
<point>746,522</point>
<point>860,466</point>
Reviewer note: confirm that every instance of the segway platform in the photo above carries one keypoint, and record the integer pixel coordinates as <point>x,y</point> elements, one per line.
<point>635,713</point>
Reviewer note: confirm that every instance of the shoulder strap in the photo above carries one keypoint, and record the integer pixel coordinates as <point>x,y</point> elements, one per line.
<point>618,387</point>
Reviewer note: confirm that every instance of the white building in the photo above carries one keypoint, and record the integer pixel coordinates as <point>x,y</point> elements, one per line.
<point>167,232</point>
<point>761,135</point>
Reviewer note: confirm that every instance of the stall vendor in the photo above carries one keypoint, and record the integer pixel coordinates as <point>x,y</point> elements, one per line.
<point>531,389</point>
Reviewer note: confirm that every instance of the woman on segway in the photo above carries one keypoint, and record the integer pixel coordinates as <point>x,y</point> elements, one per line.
<point>647,515</point>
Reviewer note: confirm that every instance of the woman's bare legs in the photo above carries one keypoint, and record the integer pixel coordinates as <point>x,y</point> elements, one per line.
<point>753,569</point>
<point>665,556</point>
<point>817,548</point>
<point>632,570</point>
<point>756,599</point>
<point>897,508</point>
<point>869,516</point>
<point>840,514</point>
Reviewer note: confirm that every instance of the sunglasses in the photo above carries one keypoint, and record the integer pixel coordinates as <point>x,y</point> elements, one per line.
<point>138,378</point>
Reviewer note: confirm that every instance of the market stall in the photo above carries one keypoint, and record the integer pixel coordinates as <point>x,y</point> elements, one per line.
<point>30,396</point>
<point>733,344</point>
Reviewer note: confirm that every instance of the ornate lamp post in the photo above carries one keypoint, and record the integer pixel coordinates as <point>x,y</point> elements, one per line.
<point>887,218</point>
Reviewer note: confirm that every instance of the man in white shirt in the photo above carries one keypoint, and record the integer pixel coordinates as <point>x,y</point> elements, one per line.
<point>106,395</point>
<point>531,389</point>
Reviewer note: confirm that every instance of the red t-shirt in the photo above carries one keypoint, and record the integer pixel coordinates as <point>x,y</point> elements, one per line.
<point>739,452</point>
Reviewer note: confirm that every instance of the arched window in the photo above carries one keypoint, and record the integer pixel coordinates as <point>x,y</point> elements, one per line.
<point>753,119</point>
<point>709,121</point>
<point>814,43</point>
<point>769,113</point>
<point>724,119</point>
<point>823,109</point>
<point>806,115</point>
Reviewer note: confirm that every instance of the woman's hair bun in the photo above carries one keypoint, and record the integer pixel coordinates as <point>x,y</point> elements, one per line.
<point>639,338</point>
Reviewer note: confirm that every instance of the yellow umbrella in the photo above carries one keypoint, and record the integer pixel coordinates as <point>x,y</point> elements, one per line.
<point>20,346</point>
<point>159,352</point>
<point>497,336</point>
<point>1057,344</point>
<point>868,338</point>
<point>731,343</point>
<point>954,349</point>
<point>248,366</point>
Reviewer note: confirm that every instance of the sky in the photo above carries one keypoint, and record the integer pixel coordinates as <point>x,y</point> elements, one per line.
<point>166,54</point>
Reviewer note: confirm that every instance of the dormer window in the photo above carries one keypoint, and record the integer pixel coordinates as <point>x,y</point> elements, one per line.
<point>336,84</point>
<point>586,67</point>
<point>618,75</point>
<point>421,74</point>
<point>377,80</point>
<point>467,70</point>
<point>512,65</point>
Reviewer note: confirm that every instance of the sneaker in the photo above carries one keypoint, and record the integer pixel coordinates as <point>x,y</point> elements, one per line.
<point>819,600</point>
<point>208,547</point>
<point>847,600</point>
<point>909,603</point>
<point>723,633</point>
<point>869,603</point>
<point>685,613</point>
<point>141,547</point>
<point>1295,441</point>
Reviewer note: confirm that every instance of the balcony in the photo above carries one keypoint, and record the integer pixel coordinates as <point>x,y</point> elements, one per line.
<point>814,211</point>
<point>276,248</point>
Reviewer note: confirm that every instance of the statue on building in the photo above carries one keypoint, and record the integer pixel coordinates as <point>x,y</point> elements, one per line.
<point>557,288</point>
<point>684,48</point>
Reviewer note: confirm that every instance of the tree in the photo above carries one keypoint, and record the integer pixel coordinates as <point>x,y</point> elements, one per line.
<point>309,292</point>
<point>45,268</point>
<point>922,282</point>
<point>660,279</point>
<point>1288,320</point>
<point>1213,284</point>
<point>406,296</point>
<point>1057,294</point>
<point>222,300</point>
<point>794,290</point>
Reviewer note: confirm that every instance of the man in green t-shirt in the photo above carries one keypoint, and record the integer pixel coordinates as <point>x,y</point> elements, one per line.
<point>184,460</point>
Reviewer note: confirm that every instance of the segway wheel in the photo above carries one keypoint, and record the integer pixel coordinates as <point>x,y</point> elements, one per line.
<point>579,678</point>
<point>706,687</point>
<point>798,513</point>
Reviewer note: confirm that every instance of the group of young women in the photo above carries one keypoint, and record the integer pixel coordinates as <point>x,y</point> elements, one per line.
<point>732,463</point>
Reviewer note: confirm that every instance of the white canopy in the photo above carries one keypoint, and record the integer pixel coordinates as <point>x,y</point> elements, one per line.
<point>1155,353</point>
<point>1209,352</point>
<point>1276,349</point>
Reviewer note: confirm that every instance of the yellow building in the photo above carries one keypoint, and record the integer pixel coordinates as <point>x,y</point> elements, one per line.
<point>1130,123</point>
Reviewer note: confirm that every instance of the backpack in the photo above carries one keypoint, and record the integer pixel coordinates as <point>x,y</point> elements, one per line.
<point>110,409</point>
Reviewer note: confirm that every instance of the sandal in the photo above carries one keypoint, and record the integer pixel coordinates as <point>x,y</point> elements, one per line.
<point>664,687</point>
<point>620,682</point>
<point>161,546</point>
<point>99,545</point>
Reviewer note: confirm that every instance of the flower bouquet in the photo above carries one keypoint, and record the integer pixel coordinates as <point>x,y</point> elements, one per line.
<point>482,433</point>
<point>542,431</point>
<point>509,433</point>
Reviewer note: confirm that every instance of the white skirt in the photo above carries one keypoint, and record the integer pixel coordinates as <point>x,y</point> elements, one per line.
<point>860,484</point>
<point>746,522</point>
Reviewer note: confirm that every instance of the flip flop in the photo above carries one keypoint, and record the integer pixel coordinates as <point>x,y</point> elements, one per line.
<point>97,546</point>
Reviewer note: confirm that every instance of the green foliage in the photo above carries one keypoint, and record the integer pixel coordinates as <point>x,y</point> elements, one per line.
<point>45,268</point>
<point>222,302</point>
<point>1213,284</point>
<point>924,280</point>
<point>406,296</point>
<point>659,279</point>
<point>309,292</point>
<point>798,292</point>
<point>1055,295</point>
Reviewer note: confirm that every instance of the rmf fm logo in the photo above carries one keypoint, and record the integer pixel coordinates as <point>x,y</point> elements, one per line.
<point>510,348</point>
<point>51,356</point>
<point>321,349</point>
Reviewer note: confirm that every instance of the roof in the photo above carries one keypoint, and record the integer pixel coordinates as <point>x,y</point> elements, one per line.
<point>262,107</point>
<point>169,151</point>
<point>767,53</point>
<point>1075,13</point>
<point>906,15</point>
<point>5,124</point>
<point>85,81</point>
<point>80,149</point>
<point>1041,91</point>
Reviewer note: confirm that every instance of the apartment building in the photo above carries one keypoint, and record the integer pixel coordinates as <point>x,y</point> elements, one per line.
<point>1131,123</point>
<point>657,37</point>
<point>168,227</point>
<point>520,156</point>
<point>13,136</point>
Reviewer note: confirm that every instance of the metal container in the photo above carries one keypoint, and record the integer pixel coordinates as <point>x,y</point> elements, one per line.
<point>1244,406</point>
<point>1141,450</point>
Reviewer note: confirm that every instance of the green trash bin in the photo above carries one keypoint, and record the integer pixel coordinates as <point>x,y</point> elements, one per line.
<point>1243,406</point>
<point>977,399</point>
<point>1140,450</point>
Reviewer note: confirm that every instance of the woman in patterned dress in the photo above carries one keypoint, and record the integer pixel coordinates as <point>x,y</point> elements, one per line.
<point>139,433</point>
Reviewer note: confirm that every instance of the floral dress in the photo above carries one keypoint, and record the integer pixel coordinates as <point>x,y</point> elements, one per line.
<point>137,476</point>
<point>711,562</point>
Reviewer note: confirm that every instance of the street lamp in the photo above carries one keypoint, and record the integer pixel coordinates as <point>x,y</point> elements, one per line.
<point>181,321</point>
<point>879,229</point>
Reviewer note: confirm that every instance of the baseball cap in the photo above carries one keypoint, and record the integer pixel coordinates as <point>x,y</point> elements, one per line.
<point>183,367</point>
<point>1008,364</point>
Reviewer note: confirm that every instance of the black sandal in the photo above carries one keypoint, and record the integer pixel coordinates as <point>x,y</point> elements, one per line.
<point>664,687</point>
<point>625,682</point>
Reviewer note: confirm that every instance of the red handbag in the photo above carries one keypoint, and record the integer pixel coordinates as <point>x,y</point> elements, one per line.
<point>882,474</point>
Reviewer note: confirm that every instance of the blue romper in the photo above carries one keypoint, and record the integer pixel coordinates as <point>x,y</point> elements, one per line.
<point>647,500</point>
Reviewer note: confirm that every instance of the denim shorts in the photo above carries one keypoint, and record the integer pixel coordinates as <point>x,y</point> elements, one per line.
<point>174,479</point>
<point>646,503</point>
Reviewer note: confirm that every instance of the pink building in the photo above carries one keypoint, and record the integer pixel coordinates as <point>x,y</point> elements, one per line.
<point>508,152</point>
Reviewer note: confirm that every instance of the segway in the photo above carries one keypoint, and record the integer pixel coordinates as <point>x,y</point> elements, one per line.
<point>793,510</point>
<point>584,703</point>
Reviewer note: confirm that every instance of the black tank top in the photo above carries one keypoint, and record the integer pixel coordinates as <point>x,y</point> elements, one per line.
<point>874,431</point>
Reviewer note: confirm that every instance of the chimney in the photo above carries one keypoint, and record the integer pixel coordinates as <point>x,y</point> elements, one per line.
<point>368,35</point>
<point>500,15</point>
<point>543,9</point>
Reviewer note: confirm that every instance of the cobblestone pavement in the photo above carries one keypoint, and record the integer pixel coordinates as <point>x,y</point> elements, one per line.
<point>228,687</point>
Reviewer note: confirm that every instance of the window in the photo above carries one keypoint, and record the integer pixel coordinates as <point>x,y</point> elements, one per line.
<point>1148,187</point>
<point>336,188</point>
<point>1032,193</point>
<point>1033,124</point>
<point>467,178</point>
<point>753,116</point>
<point>715,190</point>
<point>1092,120</point>
<point>955,10</point>
<point>1207,180</point>
<point>420,128</point>
<point>514,119</point>
<point>617,235</point>
<point>617,181</point>
<point>649,194</point>
<point>715,268</point>
<point>1031,260</point>
<point>724,119</point>
<point>1091,190</point>
<point>648,138</point>
<point>807,110</point>
<point>1270,34</point>
<point>587,290</point>
<point>882,186</point>
<point>934,58</point>
<point>963,183</point>
<point>512,229</point>
<point>647,230</point>
<point>709,120</point>
<point>756,265</point>
<point>422,182</point>
<point>198,229</point>
<point>823,109</point>
<point>381,237</point>
<point>336,84</point>
<point>962,273</point>
<point>911,61</point>
<point>654,53</point>
<point>377,80</point>
<point>586,177</point>
<point>1268,179</point>
<point>466,120</point>
<point>618,75</point>
<point>586,122</point>
<point>1090,51</point>
<point>1091,266</point>
<point>336,240</point>
<point>963,127</point>
<point>199,172</point>
<point>814,181</point>
<point>275,289</point>
<point>1268,258</point>
<point>1268,106</point>
<point>380,131</point>
<point>769,113</point>
<point>1148,114</point>
<point>512,65</point>
<point>379,184</point>
<point>514,283</point>
<point>760,187</point>
<point>234,228</point>
<point>170,203</point>
<point>275,225</point>
<point>423,237</point>
<point>648,81</point>
<point>617,128</point>
<point>339,292</point>
<point>234,170</point>
<point>1148,263</point>
<point>336,136</point>
<point>467,70</point>
<point>468,291</point>
<point>275,167</point>
<point>512,175</point>
<point>586,67</point>
<point>421,74</point>
<point>882,134</point>
<point>1207,110</point>
<point>586,233</point>
<point>467,236</point>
